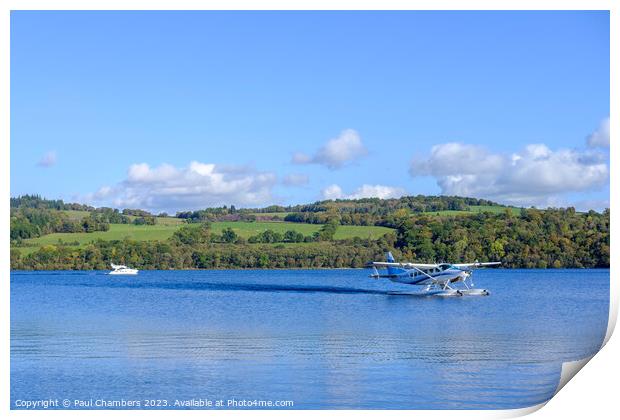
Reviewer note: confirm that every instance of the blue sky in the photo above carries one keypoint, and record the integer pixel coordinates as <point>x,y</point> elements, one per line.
<point>179,110</point>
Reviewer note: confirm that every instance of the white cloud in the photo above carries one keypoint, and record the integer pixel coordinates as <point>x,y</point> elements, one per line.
<point>295,180</point>
<point>535,176</point>
<point>600,138</point>
<point>593,204</point>
<point>102,193</point>
<point>379,191</point>
<point>48,159</point>
<point>199,185</point>
<point>334,192</point>
<point>452,158</point>
<point>337,152</point>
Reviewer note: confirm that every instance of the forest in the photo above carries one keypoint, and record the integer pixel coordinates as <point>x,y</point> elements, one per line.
<point>423,229</point>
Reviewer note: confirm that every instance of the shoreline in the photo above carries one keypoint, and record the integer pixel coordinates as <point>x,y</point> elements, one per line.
<point>306,269</point>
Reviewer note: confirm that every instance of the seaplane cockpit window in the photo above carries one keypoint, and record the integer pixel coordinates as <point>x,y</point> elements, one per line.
<point>444,267</point>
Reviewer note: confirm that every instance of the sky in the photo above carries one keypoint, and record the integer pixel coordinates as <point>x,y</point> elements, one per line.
<point>170,111</point>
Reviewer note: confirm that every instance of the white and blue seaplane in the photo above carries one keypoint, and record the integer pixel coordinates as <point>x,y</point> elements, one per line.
<point>442,279</point>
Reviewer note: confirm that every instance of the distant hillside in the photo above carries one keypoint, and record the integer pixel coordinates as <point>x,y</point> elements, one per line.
<point>51,234</point>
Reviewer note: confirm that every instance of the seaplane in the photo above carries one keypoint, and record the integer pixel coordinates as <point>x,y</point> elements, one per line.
<point>442,279</point>
<point>122,270</point>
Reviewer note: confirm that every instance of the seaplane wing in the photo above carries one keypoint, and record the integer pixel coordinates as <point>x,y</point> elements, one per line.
<point>475,265</point>
<point>380,264</point>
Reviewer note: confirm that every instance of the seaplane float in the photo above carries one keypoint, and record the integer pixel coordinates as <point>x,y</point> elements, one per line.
<point>442,279</point>
<point>122,270</point>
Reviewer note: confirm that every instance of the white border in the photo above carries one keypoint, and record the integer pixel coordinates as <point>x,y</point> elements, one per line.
<point>593,393</point>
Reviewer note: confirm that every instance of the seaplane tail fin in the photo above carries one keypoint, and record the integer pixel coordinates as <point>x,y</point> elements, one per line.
<point>393,271</point>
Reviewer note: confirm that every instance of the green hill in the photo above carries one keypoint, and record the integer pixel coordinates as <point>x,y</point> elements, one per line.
<point>51,234</point>
<point>495,209</point>
<point>165,227</point>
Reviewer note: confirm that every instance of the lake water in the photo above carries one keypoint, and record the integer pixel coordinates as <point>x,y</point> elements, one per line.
<point>328,339</point>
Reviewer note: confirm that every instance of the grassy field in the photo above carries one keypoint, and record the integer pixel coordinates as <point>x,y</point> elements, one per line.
<point>281,214</point>
<point>364,232</point>
<point>167,226</point>
<point>247,229</point>
<point>76,214</point>
<point>80,214</point>
<point>448,213</point>
<point>474,210</point>
<point>164,221</point>
<point>140,233</point>
<point>494,209</point>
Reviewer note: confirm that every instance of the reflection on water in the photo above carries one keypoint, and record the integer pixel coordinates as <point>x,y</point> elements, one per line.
<point>322,338</point>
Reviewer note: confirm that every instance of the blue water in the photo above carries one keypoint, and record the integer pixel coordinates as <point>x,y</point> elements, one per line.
<point>320,338</point>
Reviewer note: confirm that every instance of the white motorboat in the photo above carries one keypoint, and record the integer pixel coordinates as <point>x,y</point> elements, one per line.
<point>122,270</point>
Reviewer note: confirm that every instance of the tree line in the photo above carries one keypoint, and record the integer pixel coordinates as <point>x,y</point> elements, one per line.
<point>169,254</point>
<point>551,238</point>
<point>532,239</point>
<point>34,218</point>
<point>34,222</point>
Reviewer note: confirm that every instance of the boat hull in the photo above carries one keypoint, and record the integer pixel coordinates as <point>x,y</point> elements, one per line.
<point>123,273</point>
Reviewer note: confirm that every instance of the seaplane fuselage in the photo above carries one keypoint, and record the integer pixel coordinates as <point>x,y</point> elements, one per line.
<point>449,275</point>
